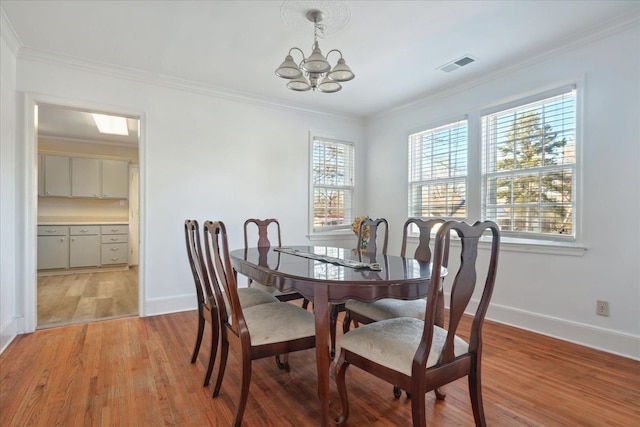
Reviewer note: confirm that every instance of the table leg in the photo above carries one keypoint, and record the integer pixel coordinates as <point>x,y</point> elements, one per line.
<point>321,311</point>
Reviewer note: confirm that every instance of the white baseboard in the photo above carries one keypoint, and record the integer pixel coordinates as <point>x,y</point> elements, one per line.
<point>157,306</point>
<point>615,342</point>
<point>8,334</point>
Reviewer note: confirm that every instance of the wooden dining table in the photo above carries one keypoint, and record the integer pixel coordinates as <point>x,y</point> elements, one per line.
<point>325,283</point>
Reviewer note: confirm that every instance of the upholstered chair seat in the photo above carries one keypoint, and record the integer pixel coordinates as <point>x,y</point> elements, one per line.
<point>277,322</point>
<point>250,297</point>
<point>271,290</point>
<point>394,342</point>
<point>388,308</point>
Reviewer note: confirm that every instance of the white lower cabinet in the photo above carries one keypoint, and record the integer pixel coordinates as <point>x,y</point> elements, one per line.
<point>53,247</point>
<point>72,246</point>
<point>115,244</point>
<point>84,246</point>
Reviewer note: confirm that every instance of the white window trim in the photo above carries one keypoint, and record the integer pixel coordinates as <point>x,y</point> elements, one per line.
<point>574,247</point>
<point>434,125</point>
<point>544,240</point>
<point>333,233</point>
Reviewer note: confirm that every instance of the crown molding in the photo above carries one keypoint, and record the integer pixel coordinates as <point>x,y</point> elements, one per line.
<point>8,34</point>
<point>165,81</point>
<point>576,40</point>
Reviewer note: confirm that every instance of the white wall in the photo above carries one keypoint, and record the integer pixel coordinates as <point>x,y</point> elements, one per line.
<point>206,156</point>
<point>550,293</point>
<point>202,156</point>
<point>8,229</point>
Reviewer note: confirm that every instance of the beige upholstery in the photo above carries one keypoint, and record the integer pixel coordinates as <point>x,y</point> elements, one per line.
<point>249,297</point>
<point>388,308</point>
<point>253,296</point>
<point>278,322</point>
<point>272,290</point>
<point>394,342</point>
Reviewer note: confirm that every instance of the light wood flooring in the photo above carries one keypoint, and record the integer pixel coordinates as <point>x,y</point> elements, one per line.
<point>80,298</point>
<point>136,372</point>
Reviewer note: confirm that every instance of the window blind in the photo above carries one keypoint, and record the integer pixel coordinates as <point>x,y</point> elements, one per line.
<point>438,172</point>
<point>529,166</point>
<point>332,181</point>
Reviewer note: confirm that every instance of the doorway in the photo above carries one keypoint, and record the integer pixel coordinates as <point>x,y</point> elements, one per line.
<point>95,232</point>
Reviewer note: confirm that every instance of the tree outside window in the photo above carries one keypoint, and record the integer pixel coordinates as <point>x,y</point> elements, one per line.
<point>529,167</point>
<point>332,181</point>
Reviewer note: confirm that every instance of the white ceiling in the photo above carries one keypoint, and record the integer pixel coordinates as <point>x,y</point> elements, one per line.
<point>233,47</point>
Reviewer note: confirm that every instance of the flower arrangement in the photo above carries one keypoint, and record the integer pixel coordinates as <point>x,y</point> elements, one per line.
<point>355,227</point>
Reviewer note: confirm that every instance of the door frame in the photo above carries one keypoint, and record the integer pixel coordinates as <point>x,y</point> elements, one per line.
<point>29,190</point>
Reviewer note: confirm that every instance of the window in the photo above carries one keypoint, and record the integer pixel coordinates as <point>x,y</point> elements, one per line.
<point>529,167</point>
<point>438,172</point>
<point>332,172</point>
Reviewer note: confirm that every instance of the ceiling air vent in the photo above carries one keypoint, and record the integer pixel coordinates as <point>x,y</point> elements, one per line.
<point>460,62</point>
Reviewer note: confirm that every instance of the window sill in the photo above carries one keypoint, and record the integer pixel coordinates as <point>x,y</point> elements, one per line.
<point>512,244</point>
<point>331,235</point>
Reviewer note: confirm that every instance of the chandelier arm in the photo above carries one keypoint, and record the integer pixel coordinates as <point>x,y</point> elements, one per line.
<point>333,50</point>
<point>299,50</point>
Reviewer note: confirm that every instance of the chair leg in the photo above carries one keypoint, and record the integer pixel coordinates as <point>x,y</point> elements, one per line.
<point>305,303</point>
<point>215,336</point>
<point>341,371</point>
<point>346,323</point>
<point>475,393</point>
<point>196,349</point>
<point>245,382</point>
<point>222,364</point>
<point>418,411</point>
<point>333,320</point>
<point>282,360</point>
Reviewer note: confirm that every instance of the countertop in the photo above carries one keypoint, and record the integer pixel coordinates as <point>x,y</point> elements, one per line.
<point>82,220</point>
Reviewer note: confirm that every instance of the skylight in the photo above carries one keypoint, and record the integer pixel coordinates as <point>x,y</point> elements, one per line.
<point>111,125</point>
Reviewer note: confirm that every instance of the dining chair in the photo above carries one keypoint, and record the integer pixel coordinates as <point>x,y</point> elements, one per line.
<point>255,332</point>
<point>360,312</point>
<point>418,355</point>
<point>263,226</point>
<point>207,309</point>
<point>368,230</point>
<point>206,301</point>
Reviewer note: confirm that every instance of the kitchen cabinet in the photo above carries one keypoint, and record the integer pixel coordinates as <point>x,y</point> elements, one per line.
<point>84,246</point>
<point>115,179</point>
<point>115,245</point>
<point>85,177</point>
<point>72,246</point>
<point>53,247</point>
<point>57,176</point>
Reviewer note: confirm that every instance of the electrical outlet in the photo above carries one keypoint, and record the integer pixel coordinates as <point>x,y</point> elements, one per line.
<point>602,308</point>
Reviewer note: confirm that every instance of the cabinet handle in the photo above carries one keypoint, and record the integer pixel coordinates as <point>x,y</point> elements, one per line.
<point>114,259</point>
<point>114,239</point>
<point>62,240</point>
<point>114,230</point>
<point>84,230</point>
<point>73,239</point>
<point>114,249</point>
<point>48,192</point>
<point>51,230</point>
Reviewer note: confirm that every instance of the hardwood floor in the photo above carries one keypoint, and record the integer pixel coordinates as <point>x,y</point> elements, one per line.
<point>136,372</point>
<point>80,298</point>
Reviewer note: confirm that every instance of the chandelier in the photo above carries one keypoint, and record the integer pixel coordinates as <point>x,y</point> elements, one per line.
<point>315,71</point>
